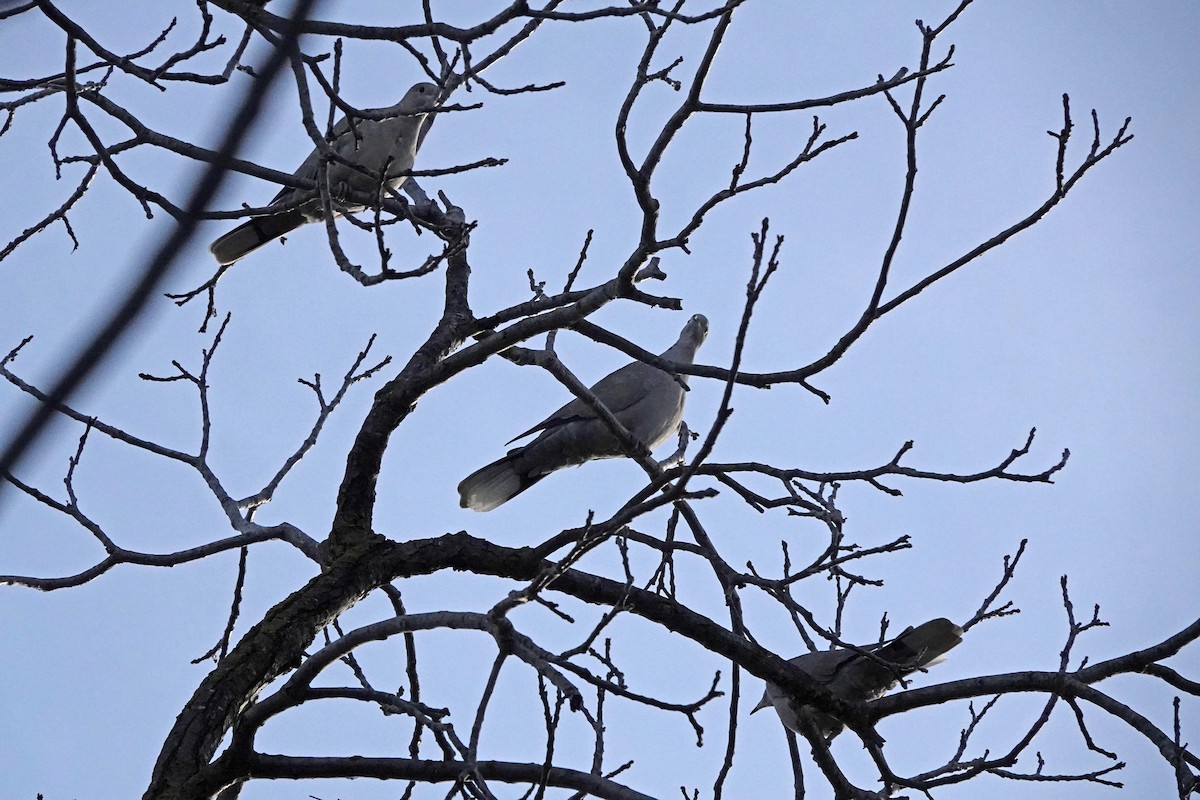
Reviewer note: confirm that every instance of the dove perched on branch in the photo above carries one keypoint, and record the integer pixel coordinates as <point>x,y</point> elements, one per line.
<point>383,147</point>
<point>855,677</point>
<point>644,399</point>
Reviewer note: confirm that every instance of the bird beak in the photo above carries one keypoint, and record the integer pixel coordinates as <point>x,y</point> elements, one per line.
<point>764,703</point>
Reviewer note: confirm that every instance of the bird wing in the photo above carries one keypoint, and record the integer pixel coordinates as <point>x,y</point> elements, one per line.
<point>619,391</point>
<point>370,143</point>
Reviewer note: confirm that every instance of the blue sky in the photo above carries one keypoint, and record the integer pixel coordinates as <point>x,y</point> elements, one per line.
<point>1085,327</point>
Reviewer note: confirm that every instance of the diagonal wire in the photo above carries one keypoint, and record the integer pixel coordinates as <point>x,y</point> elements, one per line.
<point>158,265</point>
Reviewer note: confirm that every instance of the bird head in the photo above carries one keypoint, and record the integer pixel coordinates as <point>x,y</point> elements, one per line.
<point>697,328</point>
<point>420,98</point>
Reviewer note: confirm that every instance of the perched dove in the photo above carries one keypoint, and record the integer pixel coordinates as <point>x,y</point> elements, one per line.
<point>855,677</point>
<point>376,145</point>
<point>646,400</point>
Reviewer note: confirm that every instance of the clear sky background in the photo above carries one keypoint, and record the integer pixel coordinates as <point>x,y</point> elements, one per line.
<point>1085,326</point>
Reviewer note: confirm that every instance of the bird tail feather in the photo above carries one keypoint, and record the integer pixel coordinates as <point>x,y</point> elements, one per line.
<point>495,484</point>
<point>253,234</point>
<point>924,644</point>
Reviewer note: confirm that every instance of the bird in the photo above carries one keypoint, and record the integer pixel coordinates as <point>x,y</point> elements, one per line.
<point>645,399</point>
<point>388,144</point>
<point>857,678</point>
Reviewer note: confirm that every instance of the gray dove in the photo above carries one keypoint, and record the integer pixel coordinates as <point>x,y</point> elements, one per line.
<point>858,678</point>
<point>376,145</point>
<point>646,400</point>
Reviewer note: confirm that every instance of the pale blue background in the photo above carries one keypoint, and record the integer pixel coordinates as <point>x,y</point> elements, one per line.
<point>1085,326</point>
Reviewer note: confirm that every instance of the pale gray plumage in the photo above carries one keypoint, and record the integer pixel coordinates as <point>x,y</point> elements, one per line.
<point>384,147</point>
<point>855,677</point>
<point>646,400</point>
